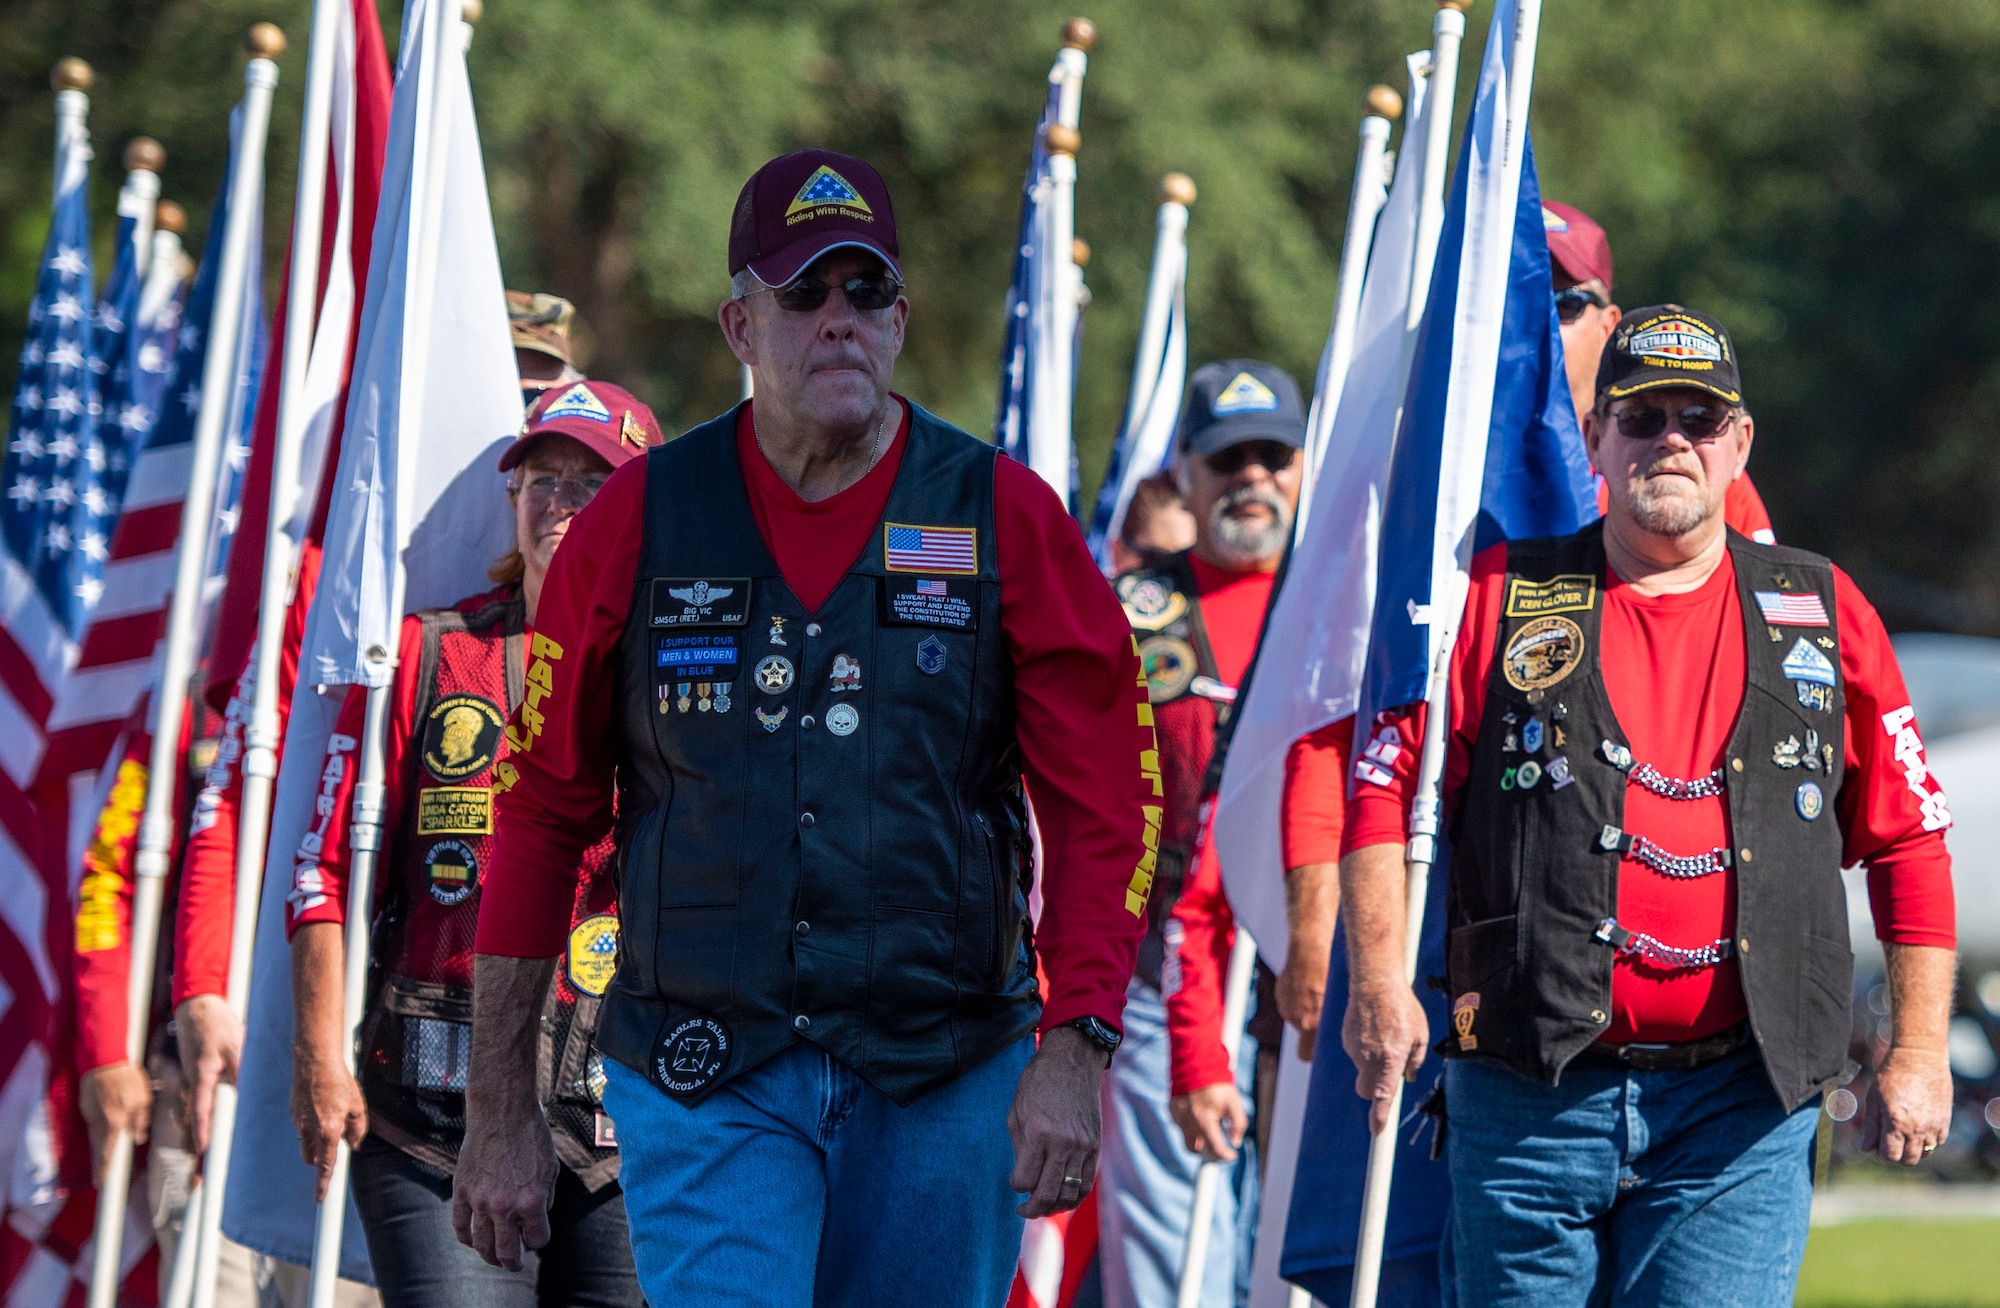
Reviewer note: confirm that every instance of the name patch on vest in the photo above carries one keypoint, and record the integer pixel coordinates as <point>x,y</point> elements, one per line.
<point>1542,652</point>
<point>461,736</point>
<point>929,602</point>
<point>1569,593</point>
<point>700,602</point>
<point>455,811</point>
<point>690,1054</point>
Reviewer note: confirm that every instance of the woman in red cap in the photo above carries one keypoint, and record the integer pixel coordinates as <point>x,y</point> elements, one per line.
<point>461,676</point>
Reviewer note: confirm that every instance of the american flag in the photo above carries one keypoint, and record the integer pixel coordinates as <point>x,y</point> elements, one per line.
<point>927,586</point>
<point>952,550</point>
<point>1781,608</point>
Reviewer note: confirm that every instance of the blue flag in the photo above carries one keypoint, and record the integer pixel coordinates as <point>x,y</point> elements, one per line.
<point>1017,364</point>
<point>1488,450</point>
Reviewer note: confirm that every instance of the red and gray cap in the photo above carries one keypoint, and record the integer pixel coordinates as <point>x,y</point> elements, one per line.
<point>801,205</point>
<point>604,419</point>
<point>1577,244</point>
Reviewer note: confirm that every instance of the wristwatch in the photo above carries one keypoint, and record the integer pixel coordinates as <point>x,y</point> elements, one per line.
<point>1100,1033</point>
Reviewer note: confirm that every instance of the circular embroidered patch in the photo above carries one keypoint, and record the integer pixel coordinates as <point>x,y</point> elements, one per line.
<point>1168,662</point>
<point>453,872</point>
<point>842,719</point>
<point>462,736</point>
<point>774,674</point>
<point>593,953</point>
<point>1543,652</point>
<point>690,1054</point>
<point>1810,799</point>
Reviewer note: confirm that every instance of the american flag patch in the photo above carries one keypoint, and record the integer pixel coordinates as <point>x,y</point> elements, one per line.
<point>950,550</point>
<point>1782,609</point>
<point>930,586</point>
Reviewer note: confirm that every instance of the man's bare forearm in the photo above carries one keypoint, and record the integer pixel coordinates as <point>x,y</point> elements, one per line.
<point>1920,987</point>
<point>319,992</point>
<point>507,997</point>
<point>1373,883</point>
<point>1312,902</point>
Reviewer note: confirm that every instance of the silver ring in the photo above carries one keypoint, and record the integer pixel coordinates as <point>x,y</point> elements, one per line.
<point>1072,1182</point>
<point>1930,1149</point>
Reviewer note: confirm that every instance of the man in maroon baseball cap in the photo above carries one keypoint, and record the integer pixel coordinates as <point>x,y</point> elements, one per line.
<point>1580,266</point>
<point>819,648</point>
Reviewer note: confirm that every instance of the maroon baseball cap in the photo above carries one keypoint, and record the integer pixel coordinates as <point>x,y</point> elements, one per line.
<point>1577,243</point>
<point>605,419</point>
<point>801,205</point>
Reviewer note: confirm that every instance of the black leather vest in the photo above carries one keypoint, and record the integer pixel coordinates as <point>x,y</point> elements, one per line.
<point>822,834</point>
<point>1534,877</point>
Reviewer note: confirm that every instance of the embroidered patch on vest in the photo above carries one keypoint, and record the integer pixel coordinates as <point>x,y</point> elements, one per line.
<point>1569,593</point>
<point>700,602</point>
<point>455,811</point>
<point>694,673</point>
<point>452,870</point>
<point>929,602</point>
<point>593,953</point>
<point>1464,1011</point>
<point>1169,663</point>
<point>1542,653</point>
<point>690,1054</point>
<point>461,736</point>
<point>948,551</point>
<point>1805,663</point>
<point>1150,603</point>
<point>842,719</point>
<point>930,656</point>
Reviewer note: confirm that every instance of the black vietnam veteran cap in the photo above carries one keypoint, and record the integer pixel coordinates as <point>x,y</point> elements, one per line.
<point>1237,400</point>
<point>1667,345</point>
<point>801,205</point>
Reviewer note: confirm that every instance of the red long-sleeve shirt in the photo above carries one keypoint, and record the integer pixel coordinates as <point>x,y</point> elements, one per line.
<point>1674,669</point>
<point>1081,712</point>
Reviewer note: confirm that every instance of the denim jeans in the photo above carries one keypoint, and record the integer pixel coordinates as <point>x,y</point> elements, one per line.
<point>798,1183</point>
<point>419,1263</point>
<point>1145,1176</point>
<point>1635,1188</point>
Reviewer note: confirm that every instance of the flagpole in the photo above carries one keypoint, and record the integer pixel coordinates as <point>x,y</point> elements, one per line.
<point>1448,593</point>
<point>1447,31</point>
<point>164,273</point>
<point>260,736</point>
<point>1383,106</point>
<point>72,79</point>
<point>144,158</point>
<point>1208,1177</point>
<point>1050,442</point>
<point>451,32</point>
<point>183,635</point>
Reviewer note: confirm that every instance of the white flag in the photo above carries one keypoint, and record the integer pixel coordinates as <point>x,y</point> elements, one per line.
<point>434,398</point>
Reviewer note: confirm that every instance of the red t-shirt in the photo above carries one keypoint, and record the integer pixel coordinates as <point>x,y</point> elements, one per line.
<point>1674,668</point>
<point>1081,714</point>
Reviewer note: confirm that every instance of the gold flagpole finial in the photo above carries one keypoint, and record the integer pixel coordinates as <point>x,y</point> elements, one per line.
<point>1177,188</point>
<point>144,153</point>
<point>170,217</point>
<point>1064,140</point>
<point>1079,252</point>
<point>472,11</point>
<point>264,41</point>
<point>72,74</point>
<point>1460,5</point>
<point>1079,34</point>
<point>1383,102</point>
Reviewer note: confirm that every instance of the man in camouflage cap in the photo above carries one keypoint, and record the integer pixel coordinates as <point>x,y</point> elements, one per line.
<point>542,351</point>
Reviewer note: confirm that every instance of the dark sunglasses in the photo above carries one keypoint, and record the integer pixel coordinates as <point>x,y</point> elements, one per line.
<point>1571,301</point>
<point>1273,455</point>
<point>1697,421</point>
<point>866,293</point>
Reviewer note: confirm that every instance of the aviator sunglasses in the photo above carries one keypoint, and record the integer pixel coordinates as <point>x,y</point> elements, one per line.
<point>1697,421</point>
<point>865,293</point>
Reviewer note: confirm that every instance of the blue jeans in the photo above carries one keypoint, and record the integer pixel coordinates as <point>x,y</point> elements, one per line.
<point>1145,1176</point>
<point>799,1183</point>
<point>419,1263</point>
<point>1634,1188</point>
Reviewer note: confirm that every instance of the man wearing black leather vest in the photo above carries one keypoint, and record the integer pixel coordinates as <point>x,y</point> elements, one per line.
<point>818,645</point>
<point>1196,615</point>
<point>1665,740</point>
<point>460,671</point>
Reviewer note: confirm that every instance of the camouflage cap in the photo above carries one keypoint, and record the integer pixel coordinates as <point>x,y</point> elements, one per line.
<point>541,323</point>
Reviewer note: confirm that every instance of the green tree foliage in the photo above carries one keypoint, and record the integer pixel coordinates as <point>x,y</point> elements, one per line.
<point>1820,173</point>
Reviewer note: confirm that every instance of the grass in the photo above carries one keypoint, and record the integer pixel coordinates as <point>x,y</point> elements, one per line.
<point>1894,1263</point>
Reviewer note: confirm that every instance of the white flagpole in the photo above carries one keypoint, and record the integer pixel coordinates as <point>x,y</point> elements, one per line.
<point>449,34</point>
<point>1448,591</point>
<point>144,158</point>
<point>260,736</point>
<point>183,636</point>
<point>1447,31</point>
<point>1364,205</point>
<point>72,79</point>
<point>164,271</point>
<point>1208,1177</point>
<point>1050,443</point>
<point>1163,289</point>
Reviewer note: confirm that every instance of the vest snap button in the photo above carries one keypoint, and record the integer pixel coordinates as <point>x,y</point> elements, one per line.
<point>1736,765</point>
<point>805,819</point>
<point>1743,854</point>
<point>807,722</point>
<point>1743,945</point>
<point>801,1022</point>
<point>1597,1016</point>
<point>812,629</point>
<point>803,928</point>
